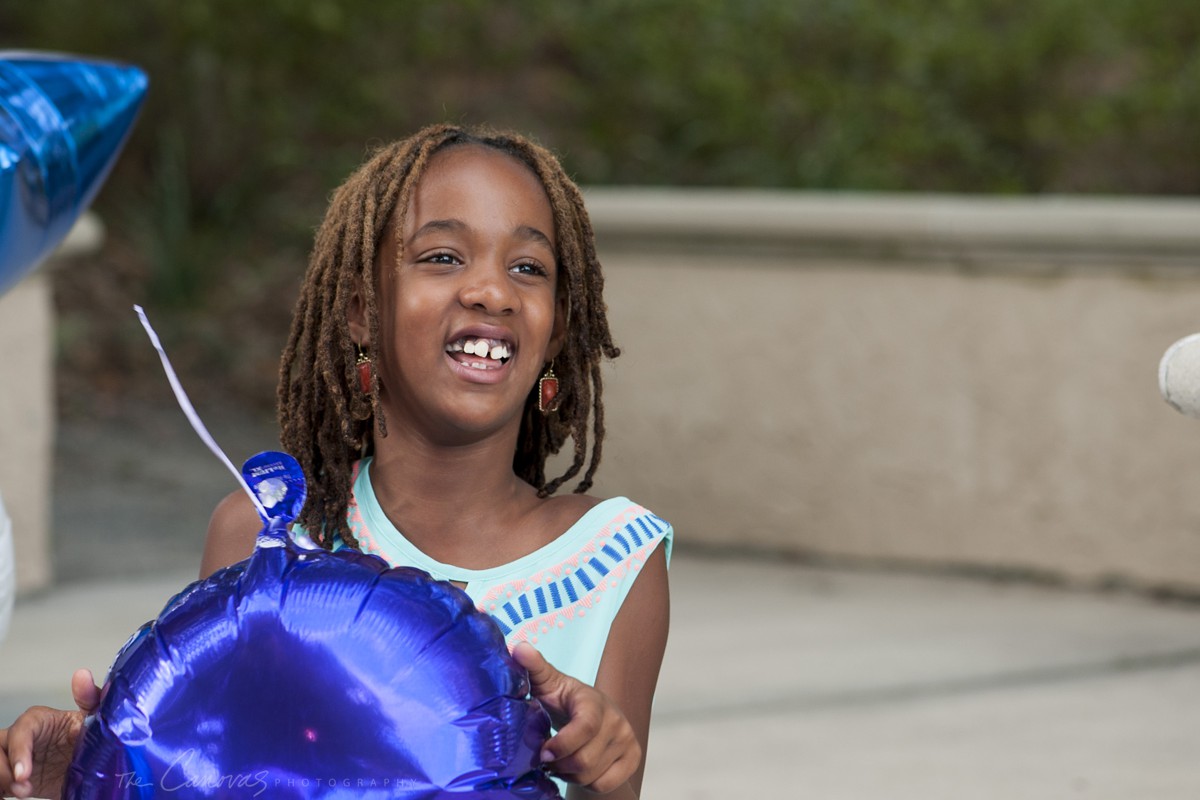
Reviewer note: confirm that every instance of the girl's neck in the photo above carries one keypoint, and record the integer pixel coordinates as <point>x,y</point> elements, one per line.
<point>451,501</point>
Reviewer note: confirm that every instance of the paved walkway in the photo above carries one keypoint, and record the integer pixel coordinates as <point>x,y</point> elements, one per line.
<point>779,681</point>
<point>783,681</point>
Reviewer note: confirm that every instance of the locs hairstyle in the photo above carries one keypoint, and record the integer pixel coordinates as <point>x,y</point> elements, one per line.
<point>326,422</point>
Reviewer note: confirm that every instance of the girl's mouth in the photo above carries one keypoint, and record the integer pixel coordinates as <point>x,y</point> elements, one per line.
<point>480,353</point>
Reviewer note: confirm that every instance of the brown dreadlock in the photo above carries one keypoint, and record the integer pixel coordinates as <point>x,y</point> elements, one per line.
<point>325,419</point>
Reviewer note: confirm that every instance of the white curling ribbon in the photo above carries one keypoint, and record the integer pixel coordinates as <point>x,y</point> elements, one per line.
<point>191,414</point>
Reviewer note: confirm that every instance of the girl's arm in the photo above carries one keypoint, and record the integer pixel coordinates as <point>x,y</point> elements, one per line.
<point>604,731</point>
<point>231,533</point>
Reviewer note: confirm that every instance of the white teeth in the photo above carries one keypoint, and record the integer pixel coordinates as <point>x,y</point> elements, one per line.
<point>479,347</point>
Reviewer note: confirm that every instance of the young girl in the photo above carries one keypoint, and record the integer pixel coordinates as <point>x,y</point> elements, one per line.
<point>448,338</point>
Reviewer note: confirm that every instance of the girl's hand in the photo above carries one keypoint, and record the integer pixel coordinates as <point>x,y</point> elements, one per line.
<point>595,746</point>
<point>37,749</point>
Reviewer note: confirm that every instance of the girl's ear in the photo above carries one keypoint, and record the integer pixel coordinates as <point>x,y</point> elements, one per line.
<point>562,317</point>
<point>356,318</point>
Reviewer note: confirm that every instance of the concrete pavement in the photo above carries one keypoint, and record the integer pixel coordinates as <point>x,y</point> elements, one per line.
<point>787,681</point>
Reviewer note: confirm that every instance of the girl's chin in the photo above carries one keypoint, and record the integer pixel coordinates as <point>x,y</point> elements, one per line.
<point>470,420</point>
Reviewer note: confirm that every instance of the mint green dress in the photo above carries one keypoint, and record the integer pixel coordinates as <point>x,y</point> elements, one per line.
<point>562,598</point>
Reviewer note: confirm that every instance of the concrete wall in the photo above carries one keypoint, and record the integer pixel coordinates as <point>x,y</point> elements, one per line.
<point>27,424</point>
<point>944,381</point>
<point>906,379</point>
<point>27,410</point>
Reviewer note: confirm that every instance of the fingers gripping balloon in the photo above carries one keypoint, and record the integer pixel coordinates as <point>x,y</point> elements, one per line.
<point>62,124</point>
<point>302,673</point>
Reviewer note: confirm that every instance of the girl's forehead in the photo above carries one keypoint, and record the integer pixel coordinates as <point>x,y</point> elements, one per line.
<point>466,162</point>
<point>478,181</point>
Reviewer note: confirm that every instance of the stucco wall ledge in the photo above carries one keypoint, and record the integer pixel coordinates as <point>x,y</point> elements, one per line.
<point>1043,233</point>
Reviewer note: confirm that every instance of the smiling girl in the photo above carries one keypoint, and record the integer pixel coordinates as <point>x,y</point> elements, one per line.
<point>447,340</point>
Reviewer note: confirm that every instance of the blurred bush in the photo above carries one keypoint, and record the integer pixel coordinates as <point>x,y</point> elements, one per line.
<point>257,109</point>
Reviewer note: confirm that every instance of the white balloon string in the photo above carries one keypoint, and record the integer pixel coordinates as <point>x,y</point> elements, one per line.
<point>191,414</point>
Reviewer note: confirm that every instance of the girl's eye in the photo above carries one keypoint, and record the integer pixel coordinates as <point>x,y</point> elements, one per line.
<point>441,258</point>
<point>529,268</point>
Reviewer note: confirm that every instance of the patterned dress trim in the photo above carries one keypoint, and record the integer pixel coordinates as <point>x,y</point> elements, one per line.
<point>553,596</point>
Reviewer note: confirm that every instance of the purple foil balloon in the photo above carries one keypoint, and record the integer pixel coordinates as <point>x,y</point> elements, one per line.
<point>301,673</point>
<point>62,123</point>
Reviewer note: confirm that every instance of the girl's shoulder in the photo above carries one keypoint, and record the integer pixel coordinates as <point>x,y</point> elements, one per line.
<point>624,525</point>
<point>567,511</point>
<point>232,531</point>
<point>562,512</point>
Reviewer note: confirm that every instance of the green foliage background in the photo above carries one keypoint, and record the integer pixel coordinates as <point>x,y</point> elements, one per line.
<point>258,109</point>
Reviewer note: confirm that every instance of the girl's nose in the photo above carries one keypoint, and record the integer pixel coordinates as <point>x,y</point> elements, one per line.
<point>488,287</point>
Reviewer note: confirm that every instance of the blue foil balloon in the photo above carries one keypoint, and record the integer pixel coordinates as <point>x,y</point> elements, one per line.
<point>62,123</point>
<point>300,673</point>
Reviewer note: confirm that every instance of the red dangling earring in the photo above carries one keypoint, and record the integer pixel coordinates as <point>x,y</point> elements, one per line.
<point>363,363</point>
<point>548,390</point>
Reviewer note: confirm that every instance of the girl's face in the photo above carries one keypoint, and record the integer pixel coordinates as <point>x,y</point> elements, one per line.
<point>470,312</point>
